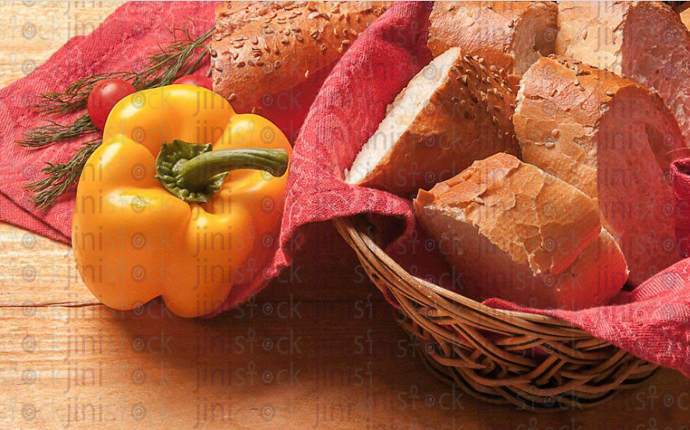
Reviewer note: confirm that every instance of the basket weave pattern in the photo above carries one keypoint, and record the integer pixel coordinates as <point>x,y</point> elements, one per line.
<point>532,361</point>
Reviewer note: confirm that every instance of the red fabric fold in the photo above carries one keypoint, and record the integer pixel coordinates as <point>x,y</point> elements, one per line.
<point>652,322</point>
<point>123,42</point>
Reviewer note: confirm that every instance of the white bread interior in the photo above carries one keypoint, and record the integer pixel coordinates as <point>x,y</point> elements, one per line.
<point>414,98</point>
<point>455,111</point>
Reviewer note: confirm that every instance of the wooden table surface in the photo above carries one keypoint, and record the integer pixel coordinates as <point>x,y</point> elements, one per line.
<point>317,349</point>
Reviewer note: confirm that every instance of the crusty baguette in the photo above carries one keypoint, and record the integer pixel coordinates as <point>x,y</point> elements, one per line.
<point>644,41</point>
<point>262,50</point>
<point>612,138</point>
<point>455,111</point>
<point>515,232</point>
<point>509,35</point>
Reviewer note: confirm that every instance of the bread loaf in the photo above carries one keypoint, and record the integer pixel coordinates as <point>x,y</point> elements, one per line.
<point>613,139</point>
<point>515,232</point>
<point>456,110</point>
<point>262,52</point>
<point>510,35</point>
<point>643,41</point>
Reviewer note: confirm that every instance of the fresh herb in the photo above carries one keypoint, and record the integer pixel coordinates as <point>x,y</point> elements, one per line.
<point>181,57</point>
<point>53,132</point>
<point>61,176</point>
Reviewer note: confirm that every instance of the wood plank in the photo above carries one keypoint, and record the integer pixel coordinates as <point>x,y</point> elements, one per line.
<point>259,369</point>
<point>33,31</point>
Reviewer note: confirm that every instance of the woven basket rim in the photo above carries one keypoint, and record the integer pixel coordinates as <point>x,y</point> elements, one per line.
<point>351,224</point>
<point>571,365</point>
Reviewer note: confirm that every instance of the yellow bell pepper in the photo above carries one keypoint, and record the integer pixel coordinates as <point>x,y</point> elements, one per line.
<point>156,214</point>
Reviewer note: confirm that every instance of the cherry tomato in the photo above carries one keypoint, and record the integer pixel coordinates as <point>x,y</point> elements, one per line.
<point>198,80</point>
<point>104,97</point>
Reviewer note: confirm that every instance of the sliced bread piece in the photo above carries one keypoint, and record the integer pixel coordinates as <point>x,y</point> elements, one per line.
<point>510,35</point>
<point>613,139</point>
<point>517,233</point>
<point>455,111</point>
<point>643,41</point>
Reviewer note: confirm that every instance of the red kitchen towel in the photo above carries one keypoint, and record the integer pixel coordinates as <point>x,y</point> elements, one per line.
<point>123,42</point>
<point>652,322</point>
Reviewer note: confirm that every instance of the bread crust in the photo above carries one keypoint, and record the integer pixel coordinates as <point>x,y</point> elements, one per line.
<point>612,138</point>
<point>534,230</point>
<point>491,29</point>
<point>467,118</point>
<point>644,41</point>
<point>262,49</point>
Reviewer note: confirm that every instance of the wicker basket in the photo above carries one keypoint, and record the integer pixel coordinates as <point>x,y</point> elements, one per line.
<point>534,362</point>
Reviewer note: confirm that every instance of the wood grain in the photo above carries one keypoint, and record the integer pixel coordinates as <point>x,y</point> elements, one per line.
<point>318,349</point>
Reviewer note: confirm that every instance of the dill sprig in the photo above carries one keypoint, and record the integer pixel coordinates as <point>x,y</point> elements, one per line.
<point>61,176</point>
<point>181,57</point>
<point>53,132</point>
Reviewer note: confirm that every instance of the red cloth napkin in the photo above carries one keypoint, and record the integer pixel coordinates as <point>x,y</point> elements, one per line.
<point>123,42</point>
<point>652,322</point>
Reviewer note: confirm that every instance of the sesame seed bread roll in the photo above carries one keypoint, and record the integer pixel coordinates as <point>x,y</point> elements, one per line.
<point>643,41</point>
<point>613,139</point>
<point>262,50</point>
<point>454,111</point>
<point>510,35</point>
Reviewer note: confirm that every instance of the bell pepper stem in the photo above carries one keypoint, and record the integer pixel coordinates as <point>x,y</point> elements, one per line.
<point>195,172</point>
